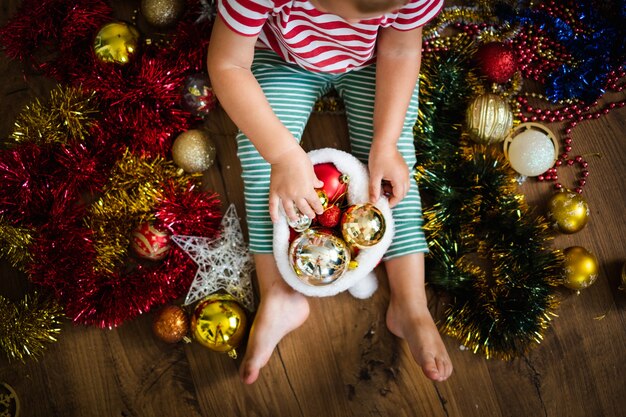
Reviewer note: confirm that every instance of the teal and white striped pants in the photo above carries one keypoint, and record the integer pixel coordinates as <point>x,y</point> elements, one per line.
<point>292,92</point>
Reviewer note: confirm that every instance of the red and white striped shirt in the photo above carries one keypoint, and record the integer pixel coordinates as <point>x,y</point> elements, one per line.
<point>315,40</point>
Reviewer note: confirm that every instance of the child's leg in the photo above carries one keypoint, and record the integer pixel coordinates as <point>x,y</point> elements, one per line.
<point>291,92</point>
<point>281,310</point>
<point>408,316</point>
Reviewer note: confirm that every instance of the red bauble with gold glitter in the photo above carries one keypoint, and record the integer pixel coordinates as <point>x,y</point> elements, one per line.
<point>335,183</point>
<point>150,243</point>
<point>496,61</point>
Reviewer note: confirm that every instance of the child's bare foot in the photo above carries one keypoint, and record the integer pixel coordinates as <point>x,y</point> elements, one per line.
<point>422,336</point>
<point>281,311</point>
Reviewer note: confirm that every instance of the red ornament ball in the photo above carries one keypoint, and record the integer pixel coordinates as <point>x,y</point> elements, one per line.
<point>335,183</point>
<point>150,243</point>
<point>170,324</point>
<point>330,217</point>
<point>496,61</point>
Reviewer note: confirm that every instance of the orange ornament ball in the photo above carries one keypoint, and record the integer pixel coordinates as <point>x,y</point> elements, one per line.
<point>170,324</point>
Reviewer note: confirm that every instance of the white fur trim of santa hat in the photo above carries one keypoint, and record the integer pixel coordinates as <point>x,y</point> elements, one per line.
<point>361,281</point>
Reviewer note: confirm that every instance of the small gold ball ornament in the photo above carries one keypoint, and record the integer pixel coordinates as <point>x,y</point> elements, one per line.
<point>581,268</point>
<point>116,42</point>
<point>193,151</point>
<point>362,225</point>
<point>162,13</point>
<point>489,118</point>
<point>219,323</point>
<point>568,211</point>
<point>318,257</point>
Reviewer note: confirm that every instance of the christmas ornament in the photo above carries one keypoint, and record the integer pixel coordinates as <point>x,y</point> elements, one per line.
<point>330,217</point>
<point>198,97</point>
<point>335,183</point>
<point>318,257</point>
<point>116,42</point>
<point>323,198</point>
<point>150,243</point>
<point>531,149</point>
<point>327,266</point>
<point>623,278</point>
<point>223,263</point>
<point>162,13</point>
<point>581,268</point>
<point>219,323</point>
<point>568,211</point>
<point>496,61</point>
<point>301,223</point>
<point>170,324</point>
<point>9,401</point>
<point>489,118</point>
<point>193,151</point>
<point>362,225</point>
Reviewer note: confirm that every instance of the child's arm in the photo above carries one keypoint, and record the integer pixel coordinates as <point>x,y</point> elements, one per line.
<point>293,179</point>
<point>397,69</point>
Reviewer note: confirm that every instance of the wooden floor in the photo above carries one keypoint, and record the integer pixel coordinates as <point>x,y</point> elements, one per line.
<point>343,361</point>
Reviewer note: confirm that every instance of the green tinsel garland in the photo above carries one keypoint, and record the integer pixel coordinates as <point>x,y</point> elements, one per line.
<point>488,251</point>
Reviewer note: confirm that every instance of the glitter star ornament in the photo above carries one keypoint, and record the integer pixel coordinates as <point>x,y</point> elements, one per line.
<point>224,264</point>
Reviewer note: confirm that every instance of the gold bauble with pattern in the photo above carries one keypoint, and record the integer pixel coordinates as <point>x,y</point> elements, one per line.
<point>568,211</point>
<point>581,268</point>
<point>362,225</point>
<point>489,118</point>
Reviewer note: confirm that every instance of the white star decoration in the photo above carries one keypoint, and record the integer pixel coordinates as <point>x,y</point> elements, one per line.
<point>223,263</point>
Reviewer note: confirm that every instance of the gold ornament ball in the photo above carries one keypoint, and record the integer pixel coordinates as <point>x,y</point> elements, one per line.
<point>162,13</point>
<point>489,118</point>
<point>362,225</point>
<point>193,151</point>
<point>219,323</point>
<point>318,257</point>
<point>568,211</point>
<point>581,268</point>
<point>170,324</point>
<point>116,42</point>
<point>623,278</point>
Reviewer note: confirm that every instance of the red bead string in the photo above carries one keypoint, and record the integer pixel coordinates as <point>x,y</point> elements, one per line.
<point>575,114</point>
<point>538,56</point>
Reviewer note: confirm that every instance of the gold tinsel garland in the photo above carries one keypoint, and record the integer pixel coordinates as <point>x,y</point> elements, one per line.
<point>26,327</point>
<point>14,244</point>
<point>128,200</point>
<point>68,114</point>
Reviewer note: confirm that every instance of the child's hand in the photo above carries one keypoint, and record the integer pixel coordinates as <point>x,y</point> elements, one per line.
<point>292,184</point>
<point>387,164</point>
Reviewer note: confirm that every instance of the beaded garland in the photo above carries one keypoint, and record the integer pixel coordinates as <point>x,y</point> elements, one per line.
<point>541,52</point>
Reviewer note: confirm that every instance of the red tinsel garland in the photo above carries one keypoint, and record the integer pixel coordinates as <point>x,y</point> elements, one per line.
<point>44,186</point>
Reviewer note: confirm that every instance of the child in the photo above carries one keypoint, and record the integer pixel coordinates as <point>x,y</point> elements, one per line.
<point>269,61</point>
